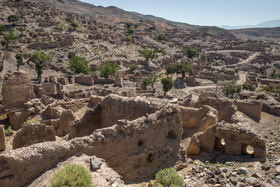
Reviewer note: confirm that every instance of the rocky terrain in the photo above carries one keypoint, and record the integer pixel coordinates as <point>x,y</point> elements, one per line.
<point>217,125</point>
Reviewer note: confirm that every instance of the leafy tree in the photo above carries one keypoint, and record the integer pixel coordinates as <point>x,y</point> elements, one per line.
<point>168,177</point>
<point>148,54</point>
<point>191,53</point>
<point>19,61</point>
<point>167,84</point>
<point>10,37</point>
<point>79,65</point>
<point>13,18</point>
<point>133,67</point>
<point>40,59</point>
<point>108,69</point>
<point>170,69</point>
<point>183,68</point>
<point>230,88</point>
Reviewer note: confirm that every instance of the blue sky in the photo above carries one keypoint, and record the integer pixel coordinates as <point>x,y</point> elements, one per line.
<point>202,12</point>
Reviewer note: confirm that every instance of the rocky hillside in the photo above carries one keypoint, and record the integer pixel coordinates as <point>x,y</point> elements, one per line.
<point>116,14</point>
<point>63,33</point>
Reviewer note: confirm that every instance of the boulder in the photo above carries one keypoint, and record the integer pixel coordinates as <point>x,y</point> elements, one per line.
<point>17,118</point>
<point>32,134</point>
<point>17,89</point>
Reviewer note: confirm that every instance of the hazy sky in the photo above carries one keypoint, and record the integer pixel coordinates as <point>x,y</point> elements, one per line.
<point>202,12</point>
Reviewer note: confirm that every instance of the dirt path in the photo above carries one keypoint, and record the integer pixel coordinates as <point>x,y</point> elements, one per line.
<point>248,60</point>
<point>229,51</point>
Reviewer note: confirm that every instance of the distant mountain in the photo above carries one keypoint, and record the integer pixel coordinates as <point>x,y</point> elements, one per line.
<point>266,24</point>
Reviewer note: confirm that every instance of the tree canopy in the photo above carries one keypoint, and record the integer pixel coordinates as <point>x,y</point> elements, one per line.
<point>79,65</point>
<point>108,69</point>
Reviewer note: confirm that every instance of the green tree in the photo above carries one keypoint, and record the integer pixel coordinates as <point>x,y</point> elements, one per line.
<point>79,65</point>
<point>133,67</point>
<point>168,177</point>
<point>108,69</point>
<point>40,59</point>
<point>170,69</point>
<point>13,18</point>
<point>19,61</point>
<point>167,84</point>
<point>183,68</point>
<point>230,88</point>
<point>10,37</point>
<point>191,53</point>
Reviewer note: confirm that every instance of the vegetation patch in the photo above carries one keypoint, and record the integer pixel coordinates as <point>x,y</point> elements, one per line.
<point>71,175</point>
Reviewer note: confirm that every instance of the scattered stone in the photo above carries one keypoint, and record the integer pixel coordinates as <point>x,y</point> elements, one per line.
<point>277,170</point>
<point>257,175</point>
<point>95,163</point>
<point>234,180</point>
<point>266,166</point>
<point>242,170</point>
<point>251,181</point>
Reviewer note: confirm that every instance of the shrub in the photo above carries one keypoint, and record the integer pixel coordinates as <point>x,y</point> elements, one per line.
<point>168,177</point>
<point>133,67</point>
<point>230,88</point>
<point>148,54</point>
<point>13,18</point>
<point>249,87</point>
<point>74,24</point>
<point>2,28</point>
<point>3,42</point>
<point>128,39</point>
<point>19,61</point>
<point>162,37</point>
<point>167,84</point>
<point>71,175</point>
<point>9,131</point>
<point>147,81</point>
<point>191,53</point>
<point>224,69</point>
<point>108,69</point>
<point>130,31</point>
<point>10,37</point>
<point>79,65</point>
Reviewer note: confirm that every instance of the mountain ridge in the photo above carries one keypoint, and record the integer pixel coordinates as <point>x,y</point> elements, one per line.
<point>265,24</point>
